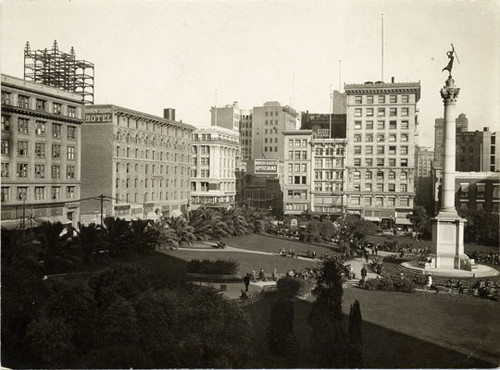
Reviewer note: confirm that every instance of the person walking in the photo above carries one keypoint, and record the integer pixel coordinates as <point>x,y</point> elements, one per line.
<point>246,281</point>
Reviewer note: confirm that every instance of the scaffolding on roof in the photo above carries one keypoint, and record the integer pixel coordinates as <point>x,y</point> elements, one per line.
<point>61,70</point>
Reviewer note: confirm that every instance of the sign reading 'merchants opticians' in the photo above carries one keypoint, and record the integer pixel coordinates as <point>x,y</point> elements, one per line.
<point>98,115</point>
<point>266,166</point>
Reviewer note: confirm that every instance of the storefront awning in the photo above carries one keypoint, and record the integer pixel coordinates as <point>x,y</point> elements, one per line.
<point>403,221</point>
<point>16,224</point>
<point>54,219</point>
<point>175,213</point>
<point>372,218</point>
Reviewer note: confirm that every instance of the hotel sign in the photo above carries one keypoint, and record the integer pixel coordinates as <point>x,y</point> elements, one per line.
<point>98,115</point>
<point>266,166</point>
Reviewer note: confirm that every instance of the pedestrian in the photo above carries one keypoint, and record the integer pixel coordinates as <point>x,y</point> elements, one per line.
<point>246,280</point>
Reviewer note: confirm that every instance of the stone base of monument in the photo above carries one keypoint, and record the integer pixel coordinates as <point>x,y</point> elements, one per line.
<point>480,271</point>
<point>448,242</point>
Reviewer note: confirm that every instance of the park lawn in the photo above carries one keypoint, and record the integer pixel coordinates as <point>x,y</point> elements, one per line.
<point>248,262</point>
<point>264,243</point>
<point>400,330</point>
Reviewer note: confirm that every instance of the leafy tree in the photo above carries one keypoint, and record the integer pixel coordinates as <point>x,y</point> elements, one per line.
<point>183,231</point>
<point>327,229</point>
<point>91,243</point>
<point>419,219</point>
<point>352,227</point>
<point>481,227</point>
<point>313,232</point>
<point>167,238</point>
<point>115,236</point>
<point>119,323</point>
<point>354,337</point>
<point>328,338</point>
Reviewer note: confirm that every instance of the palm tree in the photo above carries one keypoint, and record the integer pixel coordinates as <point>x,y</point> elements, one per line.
<point>236,222</point>
<point>19,251</point>
<point>91,241</point>
<point>56,252</point>
<point>142,237</point>
<point>115,235</point>
<point>202,223</point>
<point>183,231</point>
<point>167,238</point>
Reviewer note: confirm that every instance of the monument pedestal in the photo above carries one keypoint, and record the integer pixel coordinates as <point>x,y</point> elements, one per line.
<point>448,242</point>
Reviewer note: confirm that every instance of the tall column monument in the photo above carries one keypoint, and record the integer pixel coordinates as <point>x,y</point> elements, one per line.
<point>448,226</point>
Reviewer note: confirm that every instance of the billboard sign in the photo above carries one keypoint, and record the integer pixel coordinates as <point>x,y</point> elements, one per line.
<point>266,167</point>
<point>98,115</point>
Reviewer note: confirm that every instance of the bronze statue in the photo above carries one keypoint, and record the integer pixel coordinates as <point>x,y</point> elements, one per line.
<point>451,54</point>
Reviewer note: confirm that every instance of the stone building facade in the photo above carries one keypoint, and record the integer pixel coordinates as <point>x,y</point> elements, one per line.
<point>41,147</point>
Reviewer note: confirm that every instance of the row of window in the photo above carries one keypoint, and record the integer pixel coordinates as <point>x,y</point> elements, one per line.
<point>24,127</point>
<point>140,139</point>
<point>140,124</point>
<point>24,101</point>
<point>40,193</point>
<point>23,149</point>
<point>271,122</point>
<point>205,186</point>
<point>381,149</point>
<point>22,170</point>
<point>381,99</point>
<point>381,112</point>
<point>297,154</point>
<point>495,207</point>
<point>391,175</point>
<point>297,180</point>
<point>154,155</point>
<point>381,162</point>
<point>403,188</point>
<point>381,138</point>
<point>379,201</point>
<point>466,190</point>
<point>270,149</point>
<point>270,140</point>
<point>155,169</point>
<point>327,163</point>
<point>128,182</point>
<point>328,187</point>
<point>128,198</point>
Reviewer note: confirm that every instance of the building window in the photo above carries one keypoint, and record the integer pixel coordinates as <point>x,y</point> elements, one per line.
<point>392,187</point>
<point>392,149</point>
<point>403,150</point>
<point>369,162</point>
<point>393,99</point>
<point>56,130</point>
<point>39,193</point>
<point>404,162</point>
<point>22,170</point>
<point>56,151</point>
<point>40,104</point>
<point>369,138</point>
<point>404,125</point>
<point>381,99</point>
<point>357,138</point>
<point>357,149</point>
<point>23,101</point>
<point>357,125</point>
<point>405,98</point>
<point>5,123</point>
<point>380,138</point>
<point>381,112</point>
<point>392,137</point>
<point>380,162</point>
<point>404,137</point>
<point>56,192</point>
<point>71,152</point>
<point>23,126</point>
<point>405,112</point>
<point>357,162</point>
<point>71,111</point>
<point>56,108</point>
<point>369,125</point>
<point>368,149</point>
<point>71,132</point>
<point>380,125</point>
<point>357,175</point>
<point>392,162</point>
<point>393,112</point>
<point>403,175</point>
<point>380,201</point>
<point>40,171</point>
<point>403,188</point>
<point>5,169</point>
<point>40,150</point>
<point>480,191</point>
<point>369,112</point>
<point>392,175</point>
<point>357,112</point>
<point>40,128</point>
<point>6,97</point>
<point>358,99</point>
<point>70,192</point>
<point>22,193</point>
<point>56,171</point>
<point>70,172</point>
<point>22,148</point>
<point>369,99</point>
<point>5,194</point>
<point>355,201</point>
<point>5,146</point>
<point>380,149</point>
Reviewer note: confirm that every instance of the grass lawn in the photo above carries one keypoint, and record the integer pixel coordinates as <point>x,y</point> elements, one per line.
<point>400,331</point>
<point>264,243</point>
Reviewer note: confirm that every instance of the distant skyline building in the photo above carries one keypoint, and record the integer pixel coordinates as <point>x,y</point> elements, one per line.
<point>321,123</point>
<point>424,157</point>
<point>41,154</point>
<point>462,124</point>
<point>141,163</point>
<point>476,151</point>
<point>216,158</point>
<point>381,128</point>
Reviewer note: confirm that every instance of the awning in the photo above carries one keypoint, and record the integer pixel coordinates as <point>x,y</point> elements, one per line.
<point>54,219</point>
<point>371,218</point>
<point>175,213</point>
<point>16,224</point>
<point>152,216</point>
<point>403,221</point>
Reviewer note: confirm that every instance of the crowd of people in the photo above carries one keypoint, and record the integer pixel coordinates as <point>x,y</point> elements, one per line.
<point>490,258</point>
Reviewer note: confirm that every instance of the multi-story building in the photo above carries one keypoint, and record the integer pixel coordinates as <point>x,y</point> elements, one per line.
<point>476,151</point>
<point>423,179</point>
<point>381,130</point>
<point>477,191</point>
<point>321,124</point>
<point>263,192</point>
<point>462,125</point>
<point>141,163</point>
<point>216,158</point>
<point>297,172</point>
<point>41,147</point>
<point>268,124</point>
<point>327,183</point>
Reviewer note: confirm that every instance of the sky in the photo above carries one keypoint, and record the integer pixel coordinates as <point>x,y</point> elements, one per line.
<point>191,55</point>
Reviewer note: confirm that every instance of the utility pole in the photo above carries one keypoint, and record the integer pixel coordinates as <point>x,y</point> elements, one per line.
<point>102,208</point>
<point>24,210</point>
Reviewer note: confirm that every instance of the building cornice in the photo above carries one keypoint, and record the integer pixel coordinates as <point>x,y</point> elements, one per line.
<point>41,114</point>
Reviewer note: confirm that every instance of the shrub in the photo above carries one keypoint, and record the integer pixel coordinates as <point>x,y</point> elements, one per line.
<point>388,284</point>
<point>217,267</point>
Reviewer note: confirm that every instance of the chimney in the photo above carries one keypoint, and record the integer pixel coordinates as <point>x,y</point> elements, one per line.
<point>486,129</point>
<point>392,79</point>
<point>169,113</point>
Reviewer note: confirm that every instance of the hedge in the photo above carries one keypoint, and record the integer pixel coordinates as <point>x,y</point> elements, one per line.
<point>391,285</point>
<point>217,267</point>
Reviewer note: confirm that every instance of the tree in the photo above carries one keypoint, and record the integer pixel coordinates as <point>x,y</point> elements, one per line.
<point>282,315</point>
<point>115,236</point>
<point>481,227</point>
<point>142,237</point>
<point>90,241</point>
<point>312,233</point>
<point>354,337</point>
<point>419,219</point>
<point>328,338</point>
<point>327,229</point>
<point>183,231</point>
<point>352,227</point>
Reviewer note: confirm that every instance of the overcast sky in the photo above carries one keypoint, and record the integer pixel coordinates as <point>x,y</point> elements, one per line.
<point>150,55</point>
